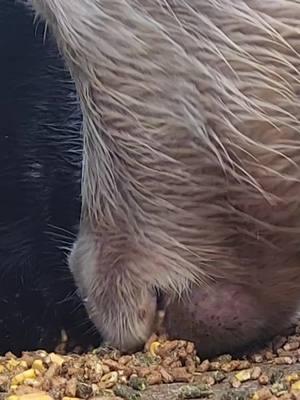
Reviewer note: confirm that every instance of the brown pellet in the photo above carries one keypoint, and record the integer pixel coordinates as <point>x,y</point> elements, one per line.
<point>235,383</point>
<point>180,375</point>
<point>154,378</point>
<point>166,376</point>
<point>262,394</point>
<point>204,366</point>
<point>71,387</point>
<point>230,366</point>
<point>263,379</point>
<point>255,373</point>
<point>284,360</point>
<point>291,346</point>
<point>214,366</point>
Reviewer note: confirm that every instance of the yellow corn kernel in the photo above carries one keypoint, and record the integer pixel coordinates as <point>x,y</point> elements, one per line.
<point>23,364</point>
<point>153,348</point>
<point>20,378</point>
<point>31,396</point>
<point>38,365</point>
<point>12,364</point>
<point>70,398</point>
<point>56,359</point>
<point>244,375</point>
<point>293,377</point>
<point>296,386</point>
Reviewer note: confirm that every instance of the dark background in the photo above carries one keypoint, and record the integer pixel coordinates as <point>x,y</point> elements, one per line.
<point>40,171</point>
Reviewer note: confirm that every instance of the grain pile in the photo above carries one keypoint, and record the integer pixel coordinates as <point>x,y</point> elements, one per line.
<point>104,373</point>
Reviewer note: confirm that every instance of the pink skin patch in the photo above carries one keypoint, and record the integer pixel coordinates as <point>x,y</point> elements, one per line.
<point>221,318</point>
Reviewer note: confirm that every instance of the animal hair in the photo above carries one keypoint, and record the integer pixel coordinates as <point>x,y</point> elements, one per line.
<point>191,150</point>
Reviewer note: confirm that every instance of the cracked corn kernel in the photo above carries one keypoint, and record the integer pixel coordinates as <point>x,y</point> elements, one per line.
<point>293,377</point>
<point>31,396</point>
<point>12,364</point>
<point>244,375</point>
<point>20,378</point>
<point>56,359</point>
<point>153,348</point>
<point>70,398</point>
<point>38,365</point>
<point>296,386</point>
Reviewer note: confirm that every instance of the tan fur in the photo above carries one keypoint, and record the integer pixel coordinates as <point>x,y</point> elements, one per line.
<point>192,152</point>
